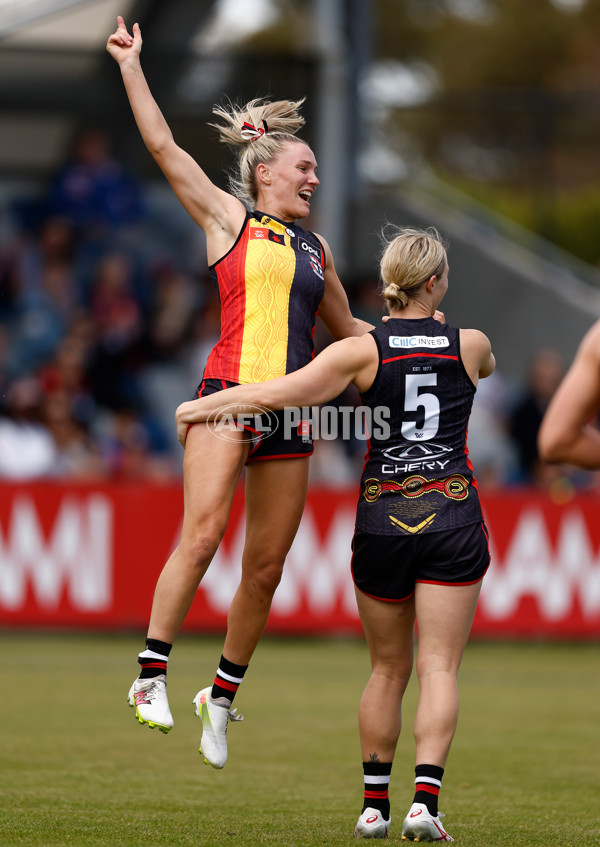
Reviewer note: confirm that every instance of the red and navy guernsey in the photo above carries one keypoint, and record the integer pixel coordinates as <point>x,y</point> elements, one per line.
<point>418,478</point>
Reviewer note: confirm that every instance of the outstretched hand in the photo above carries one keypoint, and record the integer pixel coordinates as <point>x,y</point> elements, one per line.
<point>121,45</point>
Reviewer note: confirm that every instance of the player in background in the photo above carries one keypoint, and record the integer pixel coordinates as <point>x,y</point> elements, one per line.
<point>567,433</point>
<point>420,546</point>
<point>273,277</point>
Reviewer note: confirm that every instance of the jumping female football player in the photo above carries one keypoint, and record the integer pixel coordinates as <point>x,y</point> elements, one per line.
<point>273,277</point>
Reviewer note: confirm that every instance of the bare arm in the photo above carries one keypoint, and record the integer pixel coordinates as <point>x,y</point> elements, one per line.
<point>334,309</point>
<point>476,353</point>
<point>350,360</point>
<point>566,434</point>
<point>218,213</point>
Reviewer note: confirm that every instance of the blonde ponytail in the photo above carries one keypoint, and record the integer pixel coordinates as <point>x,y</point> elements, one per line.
<point>257,131</point>
<point>410,257</point>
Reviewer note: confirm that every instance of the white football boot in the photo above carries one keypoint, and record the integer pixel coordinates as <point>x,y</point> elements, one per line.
<point>149,699</point>
<point>372,824</point>
<point>420,825</point>
<point>215,715</point>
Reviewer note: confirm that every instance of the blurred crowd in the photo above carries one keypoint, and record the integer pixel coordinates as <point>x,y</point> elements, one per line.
<point>103,317</point>
<point>107,316</point>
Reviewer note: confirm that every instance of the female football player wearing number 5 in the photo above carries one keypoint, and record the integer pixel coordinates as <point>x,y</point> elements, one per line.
<point>420,547</point>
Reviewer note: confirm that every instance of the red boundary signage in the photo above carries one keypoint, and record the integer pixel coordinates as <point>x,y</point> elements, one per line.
<point>89,557</point>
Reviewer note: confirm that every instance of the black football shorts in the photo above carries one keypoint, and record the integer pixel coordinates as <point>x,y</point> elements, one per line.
<point>388,567</point>
<point>271,435</point>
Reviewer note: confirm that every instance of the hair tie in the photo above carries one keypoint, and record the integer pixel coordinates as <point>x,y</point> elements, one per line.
<point>251,132</point>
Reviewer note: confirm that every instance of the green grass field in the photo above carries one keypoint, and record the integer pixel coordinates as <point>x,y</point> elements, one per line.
<point>77,769</point>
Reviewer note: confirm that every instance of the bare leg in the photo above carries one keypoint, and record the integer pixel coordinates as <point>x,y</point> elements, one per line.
<point>211,468</point>
<point>444,615</point>
<point>388,629</point>
<point>275,497</point>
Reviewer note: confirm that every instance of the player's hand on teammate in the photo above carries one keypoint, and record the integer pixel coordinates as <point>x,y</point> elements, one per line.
<point>182,431</point>
<point>121,45</point>
<point>182,425</point>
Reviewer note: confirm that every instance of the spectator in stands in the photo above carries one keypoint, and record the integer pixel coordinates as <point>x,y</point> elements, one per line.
<point>86,308</point>
<point>118,323</point>
<point>77,456</point>
<point>204,334</point>
<point>490,446</point>
<point>545,372</point>
<point>174,304</point>
<point>45,295</point>
<point>27,449</point>
<point>92,190</point>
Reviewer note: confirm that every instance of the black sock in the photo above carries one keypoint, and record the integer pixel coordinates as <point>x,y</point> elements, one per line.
<point>154,658</point>
<point>377,782</point>
<point>428,781</point>
<point>228,679</point>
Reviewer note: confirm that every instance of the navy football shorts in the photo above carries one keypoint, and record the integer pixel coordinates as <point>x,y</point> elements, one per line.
<point>269,438</point>
<point>387,567</point>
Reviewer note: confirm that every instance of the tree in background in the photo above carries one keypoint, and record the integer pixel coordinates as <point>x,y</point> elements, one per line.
<point>508,110</point>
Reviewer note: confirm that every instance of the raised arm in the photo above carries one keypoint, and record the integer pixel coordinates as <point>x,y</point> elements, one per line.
<point>351,360</point>
<point>218,213</point>
<point>334,309</point>
<point>566,434</point>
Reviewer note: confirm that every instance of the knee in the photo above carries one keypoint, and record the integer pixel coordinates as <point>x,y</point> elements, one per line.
<point>264,574</point>
<point>199,547</point>
<point>396,669</point>
<point>428,666</point>
<point>399,677</point>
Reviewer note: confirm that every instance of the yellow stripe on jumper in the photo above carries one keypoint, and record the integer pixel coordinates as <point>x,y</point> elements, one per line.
<point>270,269</point>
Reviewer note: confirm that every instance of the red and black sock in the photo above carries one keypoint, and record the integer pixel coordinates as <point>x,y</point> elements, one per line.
<point>428,781</point>
<point>228,679</point>
<point>154,658</point>
<point>377,783</point>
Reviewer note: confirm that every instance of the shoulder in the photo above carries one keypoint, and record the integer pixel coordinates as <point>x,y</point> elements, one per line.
<point>325,246</point>
<point>475,340</point>
<point>476,353</point>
